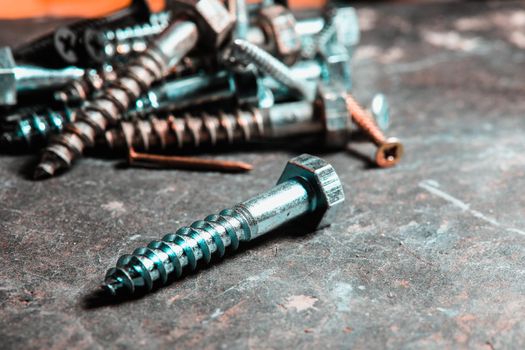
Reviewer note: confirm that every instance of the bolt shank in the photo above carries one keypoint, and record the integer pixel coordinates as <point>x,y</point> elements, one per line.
<point>176,42</point>
<point>293,119</point>
<point>283,203</point>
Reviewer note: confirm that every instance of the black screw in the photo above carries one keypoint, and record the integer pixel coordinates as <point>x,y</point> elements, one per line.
<point>80,43</point>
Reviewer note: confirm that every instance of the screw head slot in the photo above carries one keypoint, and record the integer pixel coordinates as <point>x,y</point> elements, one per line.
<point>389,153</point>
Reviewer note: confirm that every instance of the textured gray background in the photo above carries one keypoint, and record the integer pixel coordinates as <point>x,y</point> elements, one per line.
<point>429,254</point>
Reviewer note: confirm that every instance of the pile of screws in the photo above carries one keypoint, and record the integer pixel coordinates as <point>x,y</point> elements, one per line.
<point>197,75</point>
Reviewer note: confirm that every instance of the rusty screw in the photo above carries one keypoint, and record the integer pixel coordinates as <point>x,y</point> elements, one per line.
<point>389,150</point>
<point>191,163</point>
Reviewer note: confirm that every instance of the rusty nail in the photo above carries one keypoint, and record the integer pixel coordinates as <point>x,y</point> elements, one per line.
<point>192,163</point>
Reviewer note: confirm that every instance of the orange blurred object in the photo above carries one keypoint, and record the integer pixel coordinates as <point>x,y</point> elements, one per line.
<point>90,8</point>
<point>65,8</point>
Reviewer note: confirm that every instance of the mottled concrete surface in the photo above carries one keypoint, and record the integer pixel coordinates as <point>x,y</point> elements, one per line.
<point>429,254</point>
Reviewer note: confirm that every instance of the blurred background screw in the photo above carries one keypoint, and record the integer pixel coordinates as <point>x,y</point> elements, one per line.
<point>389,150</point>
<point>151,65</point>
<point>16,79</point>
<point>247,53</point>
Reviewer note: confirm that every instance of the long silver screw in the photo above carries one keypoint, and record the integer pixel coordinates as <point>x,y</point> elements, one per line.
<point>308,188</point>
<point>246,53</point>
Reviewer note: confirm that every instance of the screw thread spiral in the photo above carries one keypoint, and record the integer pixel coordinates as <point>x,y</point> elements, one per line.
<point>101,111</point>
<point>188,130</point>
<point>364,120</point>
<point>247,53</point>
<point>83,88</point>
<point>35,128</point>
<point>178,251</point>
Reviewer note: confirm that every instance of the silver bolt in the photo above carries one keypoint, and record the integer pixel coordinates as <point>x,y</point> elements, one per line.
<point>308,188</point>
<point>242,87</point>
<point>16,78</point>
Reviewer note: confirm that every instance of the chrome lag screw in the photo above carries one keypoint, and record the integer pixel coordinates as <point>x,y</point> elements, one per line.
<point>308,188</point>
<point>136,78</point>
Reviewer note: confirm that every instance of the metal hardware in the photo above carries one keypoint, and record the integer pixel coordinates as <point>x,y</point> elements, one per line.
<point>308,189</point>
<point>325,118</point>
<point>80,43</point>
<point>135,38</point>
<point>33,128</point>
<point>223,86</point>
<point>389,150</point>
<point>154,63</point>
<point>192,163</point>
<point>274,31</point>
<point>242,51</point>
<point>82,89</point>
<point>15,79</point>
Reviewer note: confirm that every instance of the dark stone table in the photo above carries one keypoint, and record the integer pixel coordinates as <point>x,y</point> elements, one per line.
<point>429,254</point>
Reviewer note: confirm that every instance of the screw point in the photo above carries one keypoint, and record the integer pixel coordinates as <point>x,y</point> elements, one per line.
<point>44,171</point>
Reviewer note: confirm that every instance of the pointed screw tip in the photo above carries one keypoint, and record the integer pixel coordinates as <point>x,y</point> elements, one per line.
<point>112,286</point>
<point>43,171</point>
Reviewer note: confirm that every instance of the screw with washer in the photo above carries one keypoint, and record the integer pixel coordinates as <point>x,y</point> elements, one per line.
<point>308,189</point>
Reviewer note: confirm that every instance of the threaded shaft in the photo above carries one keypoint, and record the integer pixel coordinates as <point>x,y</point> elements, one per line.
<point>156,24</point>
<point>188,130</point>
<point>364,120</point>
<point>35,128</point>
<point>248,53</point>
<point>106,109</point>
<point>122,41</point>
<point>176,251</point>
<point>82,89</point>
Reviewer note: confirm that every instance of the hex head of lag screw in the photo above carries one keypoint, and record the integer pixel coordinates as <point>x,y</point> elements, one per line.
<point>134,79</point>
<point>308,188</point>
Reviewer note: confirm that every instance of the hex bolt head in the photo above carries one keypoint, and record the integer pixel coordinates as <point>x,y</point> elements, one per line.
<point>332,108</point>
<point>327,186</point>
<point>212,19</point>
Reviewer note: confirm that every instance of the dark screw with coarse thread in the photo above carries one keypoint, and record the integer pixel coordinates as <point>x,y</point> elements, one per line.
<point>155,62</point>
<point>308,188</point>
<point>74,43</point>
